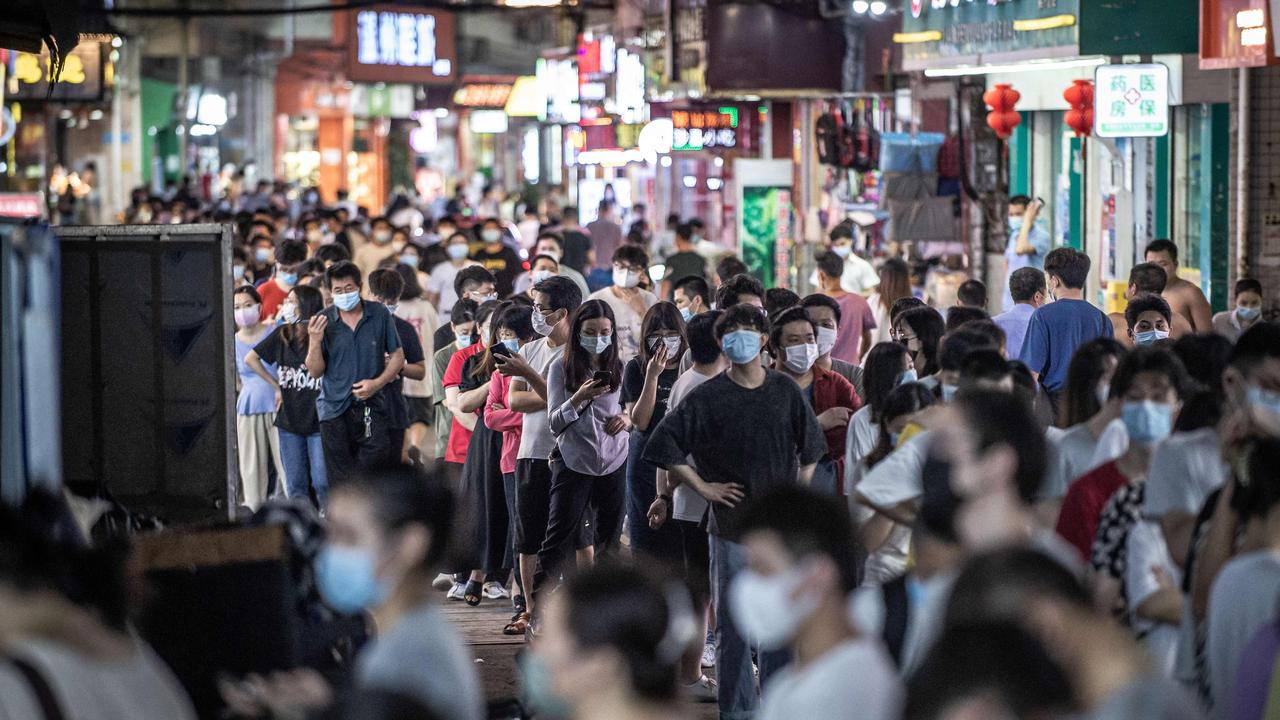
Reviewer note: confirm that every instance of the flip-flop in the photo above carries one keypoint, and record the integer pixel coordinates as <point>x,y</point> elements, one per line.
<point>473,593</point>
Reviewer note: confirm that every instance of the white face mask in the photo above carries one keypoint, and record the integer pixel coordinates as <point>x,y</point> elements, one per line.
<point>540,324</point>
<point>625,278</point>
<point>801,357</point>
<point>763,608</point>
<point>826,340</point>
<point>289,313</point>
<point>672,343</point>
<point>538,276</point>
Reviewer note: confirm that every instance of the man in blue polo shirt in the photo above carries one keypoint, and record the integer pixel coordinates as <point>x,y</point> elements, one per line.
<point>1057,329</point>
<point>355,351</point>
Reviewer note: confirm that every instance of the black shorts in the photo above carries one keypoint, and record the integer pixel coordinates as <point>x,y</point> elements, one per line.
<point>697,560</point>
<point>421,410</point>
<point>533,508</point>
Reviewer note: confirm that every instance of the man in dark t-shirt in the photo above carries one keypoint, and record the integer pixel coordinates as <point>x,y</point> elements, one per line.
<point>577,244</point>
<point>498,258</point>
<point>386,287</point>
<point>684,262</point>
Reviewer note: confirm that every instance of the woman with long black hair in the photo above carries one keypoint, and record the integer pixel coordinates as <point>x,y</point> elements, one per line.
<point>298,424</point>
<point>585,415</point>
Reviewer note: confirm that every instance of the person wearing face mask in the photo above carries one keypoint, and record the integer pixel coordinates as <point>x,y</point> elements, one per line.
<point>463,328</point>
<point>554,302</point>
<point>262,251</point>
<point>794,594</point>
<point>691,297</point>
<point>646,387</point>
<point>551,244</point>
<point>824,312</point>
<point>411,257</point>
<point>497,257</point>
<point>1247,311</point>
<point>1029,241</point>
<point>920,329</point>
<point>1058,328</point>
<point>612,643</point>
<point>1148,318</point>
<point>289,259</point>
<point>355,350</point>
<point>441,290</point>
<point>858,276</point>
<point>456,383</point>
<point>793,346</point>
<point>541,267</point>
<point>371,254</point>
<point>312,233</point>
<point>1149,383</point>
<point>627,301</point>
<point>585,415</point>
<point>301,451</point>
<point>856,319</point>
<point>256,403</point>
<point>472,283</point>
<point>1146,278</point>
<point>240,272</point>
<point>745,431</point>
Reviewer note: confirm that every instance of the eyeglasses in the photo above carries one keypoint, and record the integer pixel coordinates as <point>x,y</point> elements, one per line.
<point>907,338</point>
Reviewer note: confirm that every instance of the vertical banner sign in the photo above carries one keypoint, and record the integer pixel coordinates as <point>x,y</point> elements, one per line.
<point>764,212</point>
<point>148,378</point>
<point>1131,101</point>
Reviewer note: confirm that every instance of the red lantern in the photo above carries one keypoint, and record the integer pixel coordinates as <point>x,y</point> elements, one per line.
<point>1003,118</point>
<point>1080,97</point>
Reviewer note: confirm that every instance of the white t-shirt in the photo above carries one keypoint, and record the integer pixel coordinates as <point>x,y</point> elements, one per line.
<point>1113,443</point>
<point>854,679</point>
<point>897,478</point>
<point>1243,599</point>
<point>858,442</point>
<point>1147,549</point>
<point>687,504</point>
<point>1185,469</point>
<point>627,321</point>
<point>859,276</point>
<point>441,283</point>
<point>890,559</point>
<point>1074,453</point>
<point>881,332</point>
<point>536,440</point>
<point>419,313</point>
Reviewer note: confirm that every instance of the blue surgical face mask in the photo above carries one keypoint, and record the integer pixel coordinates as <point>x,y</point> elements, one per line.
<point>908,376</point>
<point>262,254</point>
<point>512,344</point>
<point>741,346</point>
<point>1150,336</point>
<point>237,272</point>
<point>346,301</point>
<point>1264,400</point>
<point>1015,226</point>
<point>595,344</point>
<point>347,579</point>
<point>1147,421</point>
<point>686,313</point>
<point>410,260</point>
<point>490,235</point>
<point>842,251</point>
<point>464,341</point>
<point>1248,314</point>
<point>288,278</point>
<point>949,392</point>
<point>457,251</point>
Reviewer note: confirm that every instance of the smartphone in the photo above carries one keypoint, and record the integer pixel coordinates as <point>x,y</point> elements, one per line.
<point>600,377</point>
<point>500,350</point>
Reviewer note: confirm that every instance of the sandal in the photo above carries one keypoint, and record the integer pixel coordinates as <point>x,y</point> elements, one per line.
<point>473,593</point>
<point>518,625</point>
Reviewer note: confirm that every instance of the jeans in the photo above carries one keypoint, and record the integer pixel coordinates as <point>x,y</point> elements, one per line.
<point>737,693</point>
<point>664,543</point>
<point>304,470</point>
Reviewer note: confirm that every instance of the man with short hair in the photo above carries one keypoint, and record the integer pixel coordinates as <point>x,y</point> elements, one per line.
<point>497,257</point>
<point>741,289</point>
<point>386,286</point>
<point>628,301</point>
<point>554,302</point>
<point>859,276</point>
<point>745,431</point>
<point>1244,314</point>
<point>856,318</point>
<point>579,250</point>
<point>824,312</point>
<point>1029,242</point>
<point>355,352</point>
<point>606,233</point>
<point>379,247</point>
<point>473,283</point>
<point>972,293</point>
<point>551,245</point>
<point>691,296</point>
<point>684,262</point>
<point>1146,278</point>
<point>801,548</point>
<point>291,255</point>
<point>1184,298</point>
<point>1057,329</point>
<point>1026,286</point>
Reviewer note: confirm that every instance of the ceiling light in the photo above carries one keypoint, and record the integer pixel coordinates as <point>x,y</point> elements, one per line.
<point>861,6</point>
<point>879,7</point>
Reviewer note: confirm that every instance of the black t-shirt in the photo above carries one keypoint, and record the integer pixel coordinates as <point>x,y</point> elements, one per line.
<point>633,385</point>
<point>576,245</point>
<point>757,438</point>
<point>683,264</point>
<point>505,265</point>
<point>298,390</point>
<point>393,394</point>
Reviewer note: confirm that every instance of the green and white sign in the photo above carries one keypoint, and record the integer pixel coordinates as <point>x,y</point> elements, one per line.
<point>1131,101</point>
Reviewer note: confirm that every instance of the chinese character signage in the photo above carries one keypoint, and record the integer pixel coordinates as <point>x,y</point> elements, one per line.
<point>704,129</point>
<point>391,43</point>
<point>1131,101</point>
<point>81,79</point>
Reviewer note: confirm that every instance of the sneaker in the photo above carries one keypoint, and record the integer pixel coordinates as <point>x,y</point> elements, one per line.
<point>702,691</point>
<point>443,581</point>
<point>457,592</point>
<point>709,653</point>
<point>495,591</point>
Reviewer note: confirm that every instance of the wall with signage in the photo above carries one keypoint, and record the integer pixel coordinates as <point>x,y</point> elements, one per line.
<point>392,43</point>
<point>973,33</point>
<point>82,78</point>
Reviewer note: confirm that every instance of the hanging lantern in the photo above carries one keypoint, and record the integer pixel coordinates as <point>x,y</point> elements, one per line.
<point>1002,118</point>
<point>1080,97</point>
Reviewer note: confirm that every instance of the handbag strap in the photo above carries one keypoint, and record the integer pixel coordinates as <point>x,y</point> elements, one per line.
<point>43,691</point>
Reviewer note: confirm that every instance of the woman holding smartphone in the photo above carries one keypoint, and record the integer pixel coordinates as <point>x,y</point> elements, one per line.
<point>591,431</point>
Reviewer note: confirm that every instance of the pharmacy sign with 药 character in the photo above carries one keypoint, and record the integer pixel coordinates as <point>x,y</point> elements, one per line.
<point>1131,101</point>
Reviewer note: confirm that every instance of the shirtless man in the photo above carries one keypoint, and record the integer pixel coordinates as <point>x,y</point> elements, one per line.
<point>1184,299</point>
<point>1147,277</point>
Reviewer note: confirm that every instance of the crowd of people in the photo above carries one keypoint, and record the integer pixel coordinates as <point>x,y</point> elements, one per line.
<point>849,504</point>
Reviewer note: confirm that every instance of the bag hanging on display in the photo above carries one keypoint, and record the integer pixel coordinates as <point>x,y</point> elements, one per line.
<point>826,136</point>
<point>866,145</point>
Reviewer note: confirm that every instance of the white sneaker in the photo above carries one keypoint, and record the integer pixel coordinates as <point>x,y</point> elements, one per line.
<point>709,655</point>
<point>703,691</point>
<point>443,581</point>
<point>457,592</point>
<point>495,591</point>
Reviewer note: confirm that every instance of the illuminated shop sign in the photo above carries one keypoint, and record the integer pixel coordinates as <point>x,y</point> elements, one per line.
<point>704,129</point>
<point>82,75</point>
<point>483,95</point>
<point>398,44</point>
